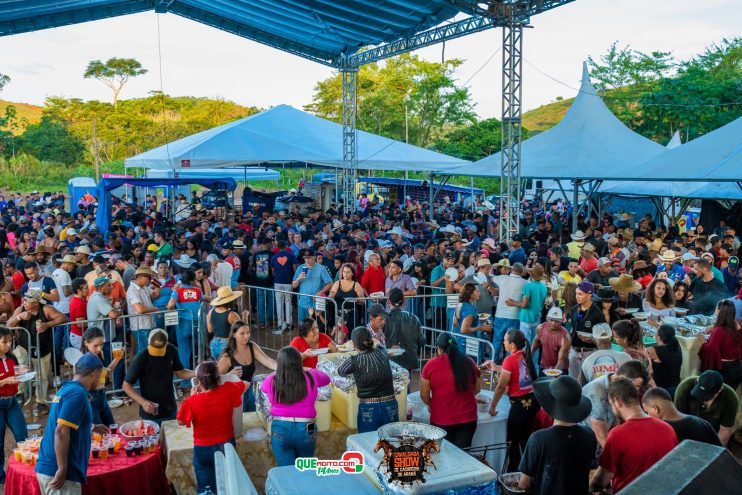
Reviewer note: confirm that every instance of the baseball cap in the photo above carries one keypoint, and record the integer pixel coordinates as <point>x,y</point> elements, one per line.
<point>378,310</point>
<point>707,385</point>
<point>586,287</point>
<point>396,297</point>
<point>155,332</point>
<point>517,237</point>
<point>101,281</point>
<point>604,261</point>
<point>733,261</point>
<point>555,314</point>
<point>88,362</point>
<point>602,331</point>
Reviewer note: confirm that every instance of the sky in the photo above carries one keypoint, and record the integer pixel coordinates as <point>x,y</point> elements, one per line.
<point>198,60</point>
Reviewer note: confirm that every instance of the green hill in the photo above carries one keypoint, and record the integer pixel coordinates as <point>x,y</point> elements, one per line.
<point>546,116</point>
<point>32,113</point>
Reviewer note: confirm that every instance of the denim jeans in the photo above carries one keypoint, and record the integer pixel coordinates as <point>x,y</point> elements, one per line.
<point>372,416</point>
<point>303,313</point>
<point>184,334</point>
<point>500,328</point>
<point>265,306</point>
<point>248,400</point>
<point>102,414</point>
<point>529,330</point>
<point>203,465</point>
<point>10,415</point>
<point>290,440</point>
<point>216,346</point>
<point>141,337</point>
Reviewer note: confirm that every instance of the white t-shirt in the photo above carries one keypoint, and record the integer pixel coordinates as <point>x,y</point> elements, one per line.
<point>511,286</point>
<point>62,278</point>
<point>222,274</point>
<point>603,362</point>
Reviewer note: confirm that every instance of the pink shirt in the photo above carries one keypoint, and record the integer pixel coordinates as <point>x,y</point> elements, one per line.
<point>305,407</point>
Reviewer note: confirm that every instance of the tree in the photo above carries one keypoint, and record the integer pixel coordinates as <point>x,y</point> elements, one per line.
<point>402,98</point>
<point>51,140</point>
<point>473,142</point>
<point>115,73</point>
<point>3,81</point>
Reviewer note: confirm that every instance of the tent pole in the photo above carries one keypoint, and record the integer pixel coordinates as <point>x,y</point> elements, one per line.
<point>471,185</point>
<point>575,207</point>
<point>404,189</point>
<point>430,196</point>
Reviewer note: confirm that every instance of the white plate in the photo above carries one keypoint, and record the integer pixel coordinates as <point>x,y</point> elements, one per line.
<point>71,355</point>
<point>377,295</point>
<point>587,335</point>
<point>641,316</point>
<point>631,311</point>
<point>395,351</point>
<point>552,372</point>
<point>114,403</point>
<point>317,352</point>
<point>26,377</point>
<point>33,426</point>
<point>452,274</point>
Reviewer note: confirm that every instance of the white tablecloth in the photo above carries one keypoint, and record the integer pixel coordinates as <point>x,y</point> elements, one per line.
<point>490,429</point>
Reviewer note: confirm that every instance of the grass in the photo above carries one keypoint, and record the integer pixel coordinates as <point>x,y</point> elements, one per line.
<point>546,116</point>
<point>31,113</point>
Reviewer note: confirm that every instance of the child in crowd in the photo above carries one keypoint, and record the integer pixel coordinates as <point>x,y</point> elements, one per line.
<point>92,342</point>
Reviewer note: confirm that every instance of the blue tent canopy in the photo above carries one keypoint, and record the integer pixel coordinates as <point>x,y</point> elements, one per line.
<point>387,181</point>
<point>105,186</point>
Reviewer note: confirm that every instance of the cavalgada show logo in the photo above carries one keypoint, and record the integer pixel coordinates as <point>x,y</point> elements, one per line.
<point>351,463</point>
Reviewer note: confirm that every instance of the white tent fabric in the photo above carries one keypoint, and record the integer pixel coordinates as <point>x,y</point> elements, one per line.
<point>715,156</point>
<point>674,141</point>
<point>284,134</point>
<point>695,190</point>
<point>588,143</point>
<point>238,174</point>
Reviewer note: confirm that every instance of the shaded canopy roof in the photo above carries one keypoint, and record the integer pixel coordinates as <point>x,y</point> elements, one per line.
<point>317,29</point>
<point>715,156</point>
<point>238,174</point>
<point>588,143</point>
<point>674,189</point>
<point>284,134</point>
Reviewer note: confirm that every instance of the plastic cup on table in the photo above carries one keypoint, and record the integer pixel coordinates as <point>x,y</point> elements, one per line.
<point>129,449</point>
<point>103,452</point>
<point>27,458</point>
<point>114,428</point>
<point>95,450</point>
<point>111,448</point>
<point>35,458</point>
<point>18,454</point>
<point>138,448</point>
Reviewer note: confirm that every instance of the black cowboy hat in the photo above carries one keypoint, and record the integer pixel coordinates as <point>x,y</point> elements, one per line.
<point>562,398</point>
<point>606,294</point>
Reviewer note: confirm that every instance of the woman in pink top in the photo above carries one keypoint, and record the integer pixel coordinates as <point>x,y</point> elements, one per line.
<point>292,391</point>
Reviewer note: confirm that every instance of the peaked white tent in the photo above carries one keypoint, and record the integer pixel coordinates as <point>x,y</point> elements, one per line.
<point>284,134</point>
<point>589,143</point>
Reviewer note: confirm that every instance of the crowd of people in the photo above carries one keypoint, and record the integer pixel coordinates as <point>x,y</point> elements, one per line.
<point>549,299</point>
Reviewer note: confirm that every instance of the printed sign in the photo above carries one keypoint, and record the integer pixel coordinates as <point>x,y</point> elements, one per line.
<point>407,464</point>
<point>171,318</point>
<point>320,304</point>
<point>472,347</point>
<point>185,163</point>
<point>452,301</point>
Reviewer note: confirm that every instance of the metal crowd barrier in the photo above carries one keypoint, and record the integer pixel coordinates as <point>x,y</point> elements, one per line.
<point>355,310</point>
<point>474,347</point>
<point>24,361</point>
<point>262,305</point>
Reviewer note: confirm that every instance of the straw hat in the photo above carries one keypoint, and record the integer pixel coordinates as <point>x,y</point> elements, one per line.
<point>628,234</point>
<point>69,258</point>
<point>225,295</point>
<point>655,245</point>
<point>578,236</point>
<point>624,283</point>
<point>82,250</point>
<point>144,270</point>
<point>668,256</point>
<point>503,262</point>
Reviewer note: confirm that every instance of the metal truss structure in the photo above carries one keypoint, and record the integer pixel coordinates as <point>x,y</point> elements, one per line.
<point>349,173</point>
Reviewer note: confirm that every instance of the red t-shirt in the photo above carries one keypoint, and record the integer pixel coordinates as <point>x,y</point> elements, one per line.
<point>78,309</point>
<point>6,369</point>
<point>635,446</point>
<point>302,345</point>
<point>373,279</point>
<point>449,406</point>
<point>18,281</point>
<point>589,265</point>
<point>521,382</point>
<point>210,413</point>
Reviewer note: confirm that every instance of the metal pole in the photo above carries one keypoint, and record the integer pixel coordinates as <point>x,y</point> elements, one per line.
<point>430,195</point>
<point>350,133</point>
<point>575,208</point>
<point>471,186</point>
<point>404,189</point>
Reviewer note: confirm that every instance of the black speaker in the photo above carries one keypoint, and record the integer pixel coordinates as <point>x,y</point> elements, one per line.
<point>691,468</point>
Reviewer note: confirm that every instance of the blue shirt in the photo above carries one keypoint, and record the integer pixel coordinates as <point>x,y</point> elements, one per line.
<point>317,277</point>
<point>676,273</point>
<point>731,281</point>
<point>517,256</point>
<point>187,297</point>
<point>70,407</point>
<point>283,267</point>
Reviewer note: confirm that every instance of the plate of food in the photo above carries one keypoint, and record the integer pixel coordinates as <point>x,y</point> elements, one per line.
<point>347,347</point>
<point>586,335</point>
<point>631,311</point>
<point>641,315</point>
<point>26,377</point>
<point>376,295</point>
<point>135,430</point>
<point>483,403</point>
<point>484,316</point>
<point>552,372</point>
<point>33,426</point>
<point>681,311</point>
<point>114,403</point>
<point>317,352</point>
<point>395,351</point>
<point>510,482</point>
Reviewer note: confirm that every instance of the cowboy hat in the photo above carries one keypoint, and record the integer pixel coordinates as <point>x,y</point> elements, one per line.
<point>624,283</point>
<point>640,265</point>
<point>626,217</point>
<point>488,205</point>
<point>628,234</point>
<point>82,250</point>
<point>605,294</point>
<point>144,270</point>
<point>337,224</point>
<point>185,261</point>
<point>457,238</point>
<point>489,242</point>
<point>225,295</point>
<point>483,262</point>
<point>588,247</point>
<point>69,258</point>
<point>655,245</point>
<point>668,256</point>
<point>448,229</point>
<point>578,236</point>
<point>397,230</point>
<point>503,262</point>
<point>562,398</point>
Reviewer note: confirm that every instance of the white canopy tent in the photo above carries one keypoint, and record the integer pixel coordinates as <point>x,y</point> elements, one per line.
<point>589,143</point>
<point>243,174</point>
<point>284,134</point>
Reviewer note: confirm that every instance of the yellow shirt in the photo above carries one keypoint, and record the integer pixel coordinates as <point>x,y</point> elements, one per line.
<point>566,278</point>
